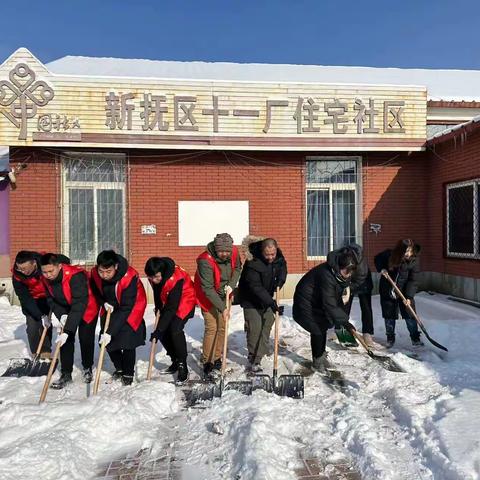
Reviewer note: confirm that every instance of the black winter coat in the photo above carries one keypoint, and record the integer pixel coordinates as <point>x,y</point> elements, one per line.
<point>30,306</point>
<point>260,279</point>
<point>317,302</point>
<point>405,276</point>
<point>124,337</point>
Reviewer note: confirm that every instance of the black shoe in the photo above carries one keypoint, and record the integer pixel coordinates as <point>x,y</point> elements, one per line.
<point>207,372</point>
<point>321,364</point>
<point>127,380</point>
<point>182,375</point>
<point>117,375</point>
<point>217,364</point>
<point>65,378</point>
<point>87,375</point>
<point>390,341</point>
<point>416,342</point>
<point>171,369</point>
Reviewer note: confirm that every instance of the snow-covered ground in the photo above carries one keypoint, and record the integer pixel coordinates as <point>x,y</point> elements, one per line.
<point>422,424</point>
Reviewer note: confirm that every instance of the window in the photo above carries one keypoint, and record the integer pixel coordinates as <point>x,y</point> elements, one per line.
<point>94,205</point>
<point>463,204</point>
<point>332,203</point>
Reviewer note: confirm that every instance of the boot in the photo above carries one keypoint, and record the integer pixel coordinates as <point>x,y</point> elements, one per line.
<point>390,340</point>
<point>254,368</point>
<point>117,375</point>
<point>172,368</point>
<point>127,380</point>
<point>87,375</point>
<point>217,364</point>
<point>182,375</point>
<point>321,364</point>
<point>208,372</point>
<point>65,379</point>
<point>417,342</point>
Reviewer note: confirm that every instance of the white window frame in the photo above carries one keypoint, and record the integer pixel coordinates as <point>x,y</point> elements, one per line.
<point>357,187</point>
<point>95,186</point>
<point>475,183</point>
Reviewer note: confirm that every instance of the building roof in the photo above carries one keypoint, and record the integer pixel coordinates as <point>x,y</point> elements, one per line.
<point>451,132</point>
<point>442,85</point>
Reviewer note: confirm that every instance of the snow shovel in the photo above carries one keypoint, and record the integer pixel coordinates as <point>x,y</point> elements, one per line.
<point>152,349</point>
<point>26,367</point>
<point>285,385</point>
<point>53,365</point>
<point>387,362</point>
<point>102,354</point>
<point>412,311</point>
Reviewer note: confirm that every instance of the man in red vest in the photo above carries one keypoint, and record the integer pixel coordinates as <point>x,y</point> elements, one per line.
<point>73,306</point>
<point>218,271</point>
<point>174,296</point>
<point>118,287</point>
<point>30,290</point>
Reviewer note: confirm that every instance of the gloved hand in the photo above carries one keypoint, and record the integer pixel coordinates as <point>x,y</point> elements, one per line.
<point>46,322</point>
<point>155,335</point>
<point>277,308</point>
<point>62,338</point>
<point>107,306</point>
<point>59,323</point>
<point>105,338</point>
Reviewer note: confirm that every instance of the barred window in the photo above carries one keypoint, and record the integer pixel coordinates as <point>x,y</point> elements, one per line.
<point>332,187</point>
<point>93,204</point>
<point>463,204</point>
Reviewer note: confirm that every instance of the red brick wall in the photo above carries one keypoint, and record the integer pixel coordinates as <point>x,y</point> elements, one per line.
<point>34,205</point>
<point>394,195</point>
<point>450,162</point>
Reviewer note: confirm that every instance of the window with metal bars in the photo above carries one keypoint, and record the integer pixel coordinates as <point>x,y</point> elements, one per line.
<point>332,188</point>
<point>463,224</point>
<point>93,204</point>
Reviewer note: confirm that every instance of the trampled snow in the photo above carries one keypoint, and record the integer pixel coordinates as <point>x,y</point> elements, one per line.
<point>422,424</point>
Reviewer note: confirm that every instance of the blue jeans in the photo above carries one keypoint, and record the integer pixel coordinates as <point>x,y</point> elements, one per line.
<point>411,325</point>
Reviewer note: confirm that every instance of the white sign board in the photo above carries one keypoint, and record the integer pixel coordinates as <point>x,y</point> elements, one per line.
<point>200,221</point>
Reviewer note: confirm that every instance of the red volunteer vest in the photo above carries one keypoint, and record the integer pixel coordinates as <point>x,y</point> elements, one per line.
<point>136,315</point>
<point>35,285</point>
<point>91,311</point>
<point>188,299</point>
<point>202,299</point>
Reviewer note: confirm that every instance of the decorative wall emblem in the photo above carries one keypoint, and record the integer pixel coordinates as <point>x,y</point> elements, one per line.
<point>23,94</point>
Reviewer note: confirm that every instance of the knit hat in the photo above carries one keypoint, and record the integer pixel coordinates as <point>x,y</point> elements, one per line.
<point>223,242</point>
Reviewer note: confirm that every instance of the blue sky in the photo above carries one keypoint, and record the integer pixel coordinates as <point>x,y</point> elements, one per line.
<point>401,33</point>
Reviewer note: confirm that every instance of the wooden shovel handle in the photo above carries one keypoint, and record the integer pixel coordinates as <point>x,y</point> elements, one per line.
<point>153,347</point>
<point>276,335</point>
<point>401,295</point>
<point>361,341</point>
<point>225,338</point>
<point>42,339</point>
<point>50,371</point>
<point>102,354</point>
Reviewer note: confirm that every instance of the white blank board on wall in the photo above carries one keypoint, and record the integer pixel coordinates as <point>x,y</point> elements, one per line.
<point>200,221</point>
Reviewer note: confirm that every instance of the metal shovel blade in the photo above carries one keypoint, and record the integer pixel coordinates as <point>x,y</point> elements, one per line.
<point>26,367</point>
<point>242,386</point>
<point>202,391</point>
<point>292,386</point>
<point>261,382</point>
<point>387,362</point>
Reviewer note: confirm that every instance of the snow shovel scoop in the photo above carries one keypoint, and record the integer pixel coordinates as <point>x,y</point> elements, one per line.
<point>102,355</point>
<point>285,385</point>
<point>27,367</point>
<point>412,311</point>
<point>207,391</point>
<point>387,362</point>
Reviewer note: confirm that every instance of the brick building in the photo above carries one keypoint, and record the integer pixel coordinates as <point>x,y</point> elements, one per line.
<point>112,157</point>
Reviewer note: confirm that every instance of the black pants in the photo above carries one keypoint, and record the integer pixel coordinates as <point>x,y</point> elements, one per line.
<point>34,332</point>
<point>86,336</point>
<point>318,343</point>
<point>365,300</point>
<point>173,338</point>
<point>124,360</point>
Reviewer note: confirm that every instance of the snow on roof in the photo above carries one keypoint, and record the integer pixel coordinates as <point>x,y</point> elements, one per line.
<point>439,137</point>
<point>447,85</point>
